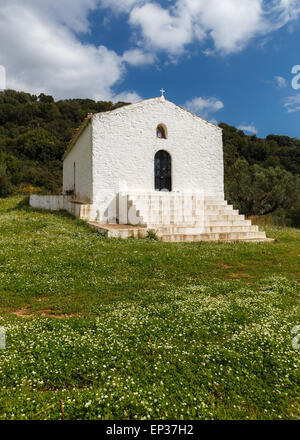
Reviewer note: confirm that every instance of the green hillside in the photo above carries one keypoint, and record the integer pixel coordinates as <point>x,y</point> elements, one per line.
<point>34,133</point>
<point>261,175</point>
<point>144,329</point>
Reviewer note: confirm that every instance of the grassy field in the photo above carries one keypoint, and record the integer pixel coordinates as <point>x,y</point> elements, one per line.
<point>112,329</point>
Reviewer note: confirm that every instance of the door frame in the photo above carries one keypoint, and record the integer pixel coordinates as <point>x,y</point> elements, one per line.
<point>171,170</point>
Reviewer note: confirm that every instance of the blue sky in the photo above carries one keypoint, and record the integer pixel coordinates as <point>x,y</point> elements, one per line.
<point>226,60</point>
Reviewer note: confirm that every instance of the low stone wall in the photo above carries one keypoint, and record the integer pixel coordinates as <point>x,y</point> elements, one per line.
<point>51,203</point>
<point>66,203</point>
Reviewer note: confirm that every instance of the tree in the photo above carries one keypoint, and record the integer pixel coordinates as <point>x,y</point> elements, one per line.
<point>261,175</point>
<point>39,145</point>
<point>238,185</point>
<point>273,188</point>
<point>4,183</point>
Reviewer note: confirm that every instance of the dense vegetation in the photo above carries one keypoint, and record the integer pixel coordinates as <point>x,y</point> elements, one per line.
<point>122,329</point>
<point>34,133</point>
<point>261,175</point>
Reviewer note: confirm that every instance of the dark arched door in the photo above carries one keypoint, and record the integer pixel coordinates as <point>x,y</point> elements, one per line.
<point>163,171</point>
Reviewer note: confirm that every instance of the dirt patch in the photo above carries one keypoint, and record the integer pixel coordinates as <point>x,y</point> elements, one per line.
<point>26,312</point>
<point>22,313</point>
<point>224,266</point>
<point>48,313</point>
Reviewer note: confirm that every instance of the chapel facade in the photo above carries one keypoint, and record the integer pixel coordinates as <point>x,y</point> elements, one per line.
<point>150,166</point>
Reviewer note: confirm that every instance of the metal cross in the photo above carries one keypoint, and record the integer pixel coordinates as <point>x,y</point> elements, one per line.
<point>162,92</point>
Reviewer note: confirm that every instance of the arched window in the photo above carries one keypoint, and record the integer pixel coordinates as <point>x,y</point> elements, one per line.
<point>161,132</point>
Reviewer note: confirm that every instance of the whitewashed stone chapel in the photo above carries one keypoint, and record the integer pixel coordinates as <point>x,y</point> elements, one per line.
<point>149,166</point>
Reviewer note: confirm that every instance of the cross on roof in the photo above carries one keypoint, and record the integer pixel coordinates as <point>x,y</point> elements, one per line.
<point>162,92</point>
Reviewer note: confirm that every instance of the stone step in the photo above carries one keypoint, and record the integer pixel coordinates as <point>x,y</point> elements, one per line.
<point>165,200</point>
<point>157,210</point>
<point>187,210</point>
<point>200,224</point>
<point>190,217</point>
<point>215,203</point>
<point>190,235</point>
<point>225,211</point>
<point>168,206</point>
<point>174,196</point>
<point>175,207</point>
<point>166,218</point>
<point>175,223</point>
<point>192,230</point>
<point>170,219</point>
<point>238,236</point>
<point>167,195</point>
<point>119,231</point>
<point>224,218</point>
<point>228,223</point>
<point>172,209</point>
<point>212,201</point>
<point>232,228</point>
<point>218,207</point>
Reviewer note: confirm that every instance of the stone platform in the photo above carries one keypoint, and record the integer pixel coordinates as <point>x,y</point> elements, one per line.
<point>120,231</point>
<point>176,217</point>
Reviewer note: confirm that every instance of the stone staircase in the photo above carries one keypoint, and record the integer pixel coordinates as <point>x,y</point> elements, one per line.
<point>190,217</point>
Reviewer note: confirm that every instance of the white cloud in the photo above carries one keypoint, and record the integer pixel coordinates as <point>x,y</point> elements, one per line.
<point>41,51</point>
<point>292,103</point>
<point>136,57</point>
<point>204,106</point>
<point>280,82</point>
<point>250,128</point>
<point>160,28</point>
<point>2,78</point>
<point>44,55</point>
<point>119,6</point>
<point>127,97</point>
<point>231,24</point>
<point>72,13</point>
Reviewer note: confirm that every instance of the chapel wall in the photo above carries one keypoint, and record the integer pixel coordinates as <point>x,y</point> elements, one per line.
<point>81,155</point>
<point>125,144</point>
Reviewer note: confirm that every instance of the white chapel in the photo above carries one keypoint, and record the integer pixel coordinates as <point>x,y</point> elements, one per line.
<point>149,166</point>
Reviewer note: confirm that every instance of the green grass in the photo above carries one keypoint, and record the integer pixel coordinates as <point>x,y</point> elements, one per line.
<point>148,329</point>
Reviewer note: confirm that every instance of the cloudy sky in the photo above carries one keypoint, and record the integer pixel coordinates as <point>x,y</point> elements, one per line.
<point>227,60</point>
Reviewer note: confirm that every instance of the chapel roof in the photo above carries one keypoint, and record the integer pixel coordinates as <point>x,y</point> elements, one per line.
<point>149,100</point>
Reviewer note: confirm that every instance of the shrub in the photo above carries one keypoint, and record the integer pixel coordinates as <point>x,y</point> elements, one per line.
<point>295,217</point>
<point>5,187</point>
<point>27,189</point>
<point>151,235</point>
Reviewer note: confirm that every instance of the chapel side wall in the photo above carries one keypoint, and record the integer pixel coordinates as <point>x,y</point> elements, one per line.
<point>125,144</point>
<point>81,155</point>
